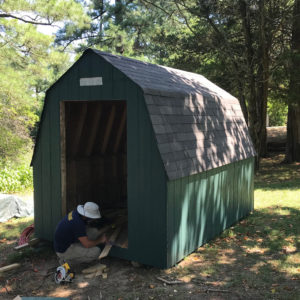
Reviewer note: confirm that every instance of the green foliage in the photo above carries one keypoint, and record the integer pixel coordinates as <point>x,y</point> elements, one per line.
<point>126,28</point>
<point>277,112</point>
<point>14,179</point>
<point>29,64</point>
<point>208,37</point>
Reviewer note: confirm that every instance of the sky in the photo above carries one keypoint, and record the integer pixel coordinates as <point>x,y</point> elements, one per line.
<point>49,30</point>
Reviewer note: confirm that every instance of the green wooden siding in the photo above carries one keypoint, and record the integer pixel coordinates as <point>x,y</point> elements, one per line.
<point>146,175</point>
<point>167,220</point>
<point>201,206</point>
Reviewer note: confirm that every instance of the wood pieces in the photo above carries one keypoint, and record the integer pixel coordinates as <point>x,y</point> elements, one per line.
<point>122,240</point>
<point>95,268</point>
<point>120,131</point>
<point>9,267</point>
<point>29,244</point>
<point>108,129</point>
<point>94,271</point>
<point>108,246</point>
<point>168,281</point>
<point>118,222</point>
<point>79,129</point>
<point>93,133</point>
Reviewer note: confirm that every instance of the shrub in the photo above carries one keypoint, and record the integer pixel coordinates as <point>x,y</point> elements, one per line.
<point>15,179</point>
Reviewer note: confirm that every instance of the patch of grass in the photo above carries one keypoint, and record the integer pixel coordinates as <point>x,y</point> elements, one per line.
<point>274,174</point>
<point>19,255</point>
<point>12,229</point>
<point>10,232</point>
<point>30,253</point>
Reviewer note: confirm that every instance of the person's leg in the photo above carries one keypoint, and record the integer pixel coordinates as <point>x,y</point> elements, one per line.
<point>77,254</point>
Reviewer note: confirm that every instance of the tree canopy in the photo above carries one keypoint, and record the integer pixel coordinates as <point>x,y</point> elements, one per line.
<point>248,47</point>
<point>30,61</point>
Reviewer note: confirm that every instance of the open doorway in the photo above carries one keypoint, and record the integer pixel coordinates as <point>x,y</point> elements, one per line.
<point>94,159</point>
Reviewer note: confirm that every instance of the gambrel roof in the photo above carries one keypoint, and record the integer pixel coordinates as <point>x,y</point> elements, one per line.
<point>198,126</point>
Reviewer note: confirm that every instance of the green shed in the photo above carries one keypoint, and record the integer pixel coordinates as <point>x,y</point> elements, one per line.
<point>169,146</point>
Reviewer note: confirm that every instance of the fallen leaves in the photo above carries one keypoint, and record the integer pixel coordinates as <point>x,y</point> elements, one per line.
<point>289,249</point>
<point>5,289</point>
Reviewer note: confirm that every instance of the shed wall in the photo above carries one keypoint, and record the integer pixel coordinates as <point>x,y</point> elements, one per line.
<point>146,175</point>
<point>201,206</point>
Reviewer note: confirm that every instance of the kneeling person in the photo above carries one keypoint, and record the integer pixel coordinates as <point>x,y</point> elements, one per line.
<point>72,242</point>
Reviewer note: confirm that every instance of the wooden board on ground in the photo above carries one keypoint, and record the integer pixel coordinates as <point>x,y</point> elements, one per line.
<point>9,267</point>
<point>30,243</point>
<point>98,267</point>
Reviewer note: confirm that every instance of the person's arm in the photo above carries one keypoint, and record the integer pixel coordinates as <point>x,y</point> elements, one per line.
<point>87,243</point>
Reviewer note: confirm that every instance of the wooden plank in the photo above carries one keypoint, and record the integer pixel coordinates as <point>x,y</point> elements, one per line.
<point>37,178</point>
<point>93,131</point>
<point>120,131</point>
<point>113,213</point>
<point>9,267</point>
<point>63,159</point>
<point>79,129</point>
<point>30,243</point>
<point>120,221</point>
<point>125,244</point>
<point>95,268</point>
<point>114,167</point>
<point>55,150</point>
<point>108,246</point>
<point>46,180</point>
<point>108,129</point>
<point>122,240</point>
<point>94,275</point>
<point>71,183</point>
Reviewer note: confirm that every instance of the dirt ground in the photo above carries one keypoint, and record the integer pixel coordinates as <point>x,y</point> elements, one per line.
<point>124,281</point>
<point>208,273</point>
<point>276,134</point>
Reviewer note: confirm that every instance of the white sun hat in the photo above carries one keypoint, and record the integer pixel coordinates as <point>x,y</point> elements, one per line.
<point>89,210</point>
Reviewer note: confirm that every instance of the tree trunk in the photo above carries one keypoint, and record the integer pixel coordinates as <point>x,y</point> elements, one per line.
<point>262,80</point>
<point>258,83</point>
<point>118,20</point>
<point>242,100</point>
<point>293,134</point>
<point>293,125</point>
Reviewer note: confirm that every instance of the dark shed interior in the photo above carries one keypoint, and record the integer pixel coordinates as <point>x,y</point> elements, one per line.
<point>95,139</point>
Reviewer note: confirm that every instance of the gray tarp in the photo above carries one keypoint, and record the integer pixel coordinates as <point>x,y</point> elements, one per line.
<point>12,206</point>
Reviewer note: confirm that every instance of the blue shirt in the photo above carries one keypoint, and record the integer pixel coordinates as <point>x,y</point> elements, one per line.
<point>68,230</point>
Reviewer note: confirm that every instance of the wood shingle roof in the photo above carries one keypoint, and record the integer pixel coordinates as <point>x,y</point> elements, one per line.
<point>198,126</point>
